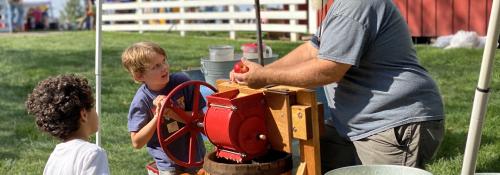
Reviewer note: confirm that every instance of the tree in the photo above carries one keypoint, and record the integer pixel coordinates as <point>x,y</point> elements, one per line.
<point>72,11</point>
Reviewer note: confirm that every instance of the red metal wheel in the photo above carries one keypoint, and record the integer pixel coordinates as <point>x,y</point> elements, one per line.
<point>192,123</point>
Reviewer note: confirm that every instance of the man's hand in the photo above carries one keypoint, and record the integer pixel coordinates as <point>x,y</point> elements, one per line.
<point>251,77</point>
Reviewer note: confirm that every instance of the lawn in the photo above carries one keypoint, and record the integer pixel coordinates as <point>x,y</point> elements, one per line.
<point>27,59</point>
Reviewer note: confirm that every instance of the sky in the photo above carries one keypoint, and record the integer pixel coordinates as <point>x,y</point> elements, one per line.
<point>57,6</point>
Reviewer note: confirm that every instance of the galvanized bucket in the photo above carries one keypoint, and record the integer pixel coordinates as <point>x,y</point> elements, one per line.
<point>378,170</point>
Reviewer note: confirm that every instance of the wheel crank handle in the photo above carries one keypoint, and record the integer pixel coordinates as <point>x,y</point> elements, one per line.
<point>200,124</point>
<point>262,137</point>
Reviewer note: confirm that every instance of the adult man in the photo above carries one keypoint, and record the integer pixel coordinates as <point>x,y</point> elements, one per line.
<point>385,107</point>
<point>17,15</point>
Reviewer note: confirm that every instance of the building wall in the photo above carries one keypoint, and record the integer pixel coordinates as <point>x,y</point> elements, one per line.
<point>431,18</point>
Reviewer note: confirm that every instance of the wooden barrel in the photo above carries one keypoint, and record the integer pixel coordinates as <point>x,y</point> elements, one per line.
<point>273,163</point>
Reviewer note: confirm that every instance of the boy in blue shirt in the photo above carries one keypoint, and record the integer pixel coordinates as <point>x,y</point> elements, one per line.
<point>146,62</point>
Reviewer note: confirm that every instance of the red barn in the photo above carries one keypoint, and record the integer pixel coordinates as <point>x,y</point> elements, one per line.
<point>431,18</point>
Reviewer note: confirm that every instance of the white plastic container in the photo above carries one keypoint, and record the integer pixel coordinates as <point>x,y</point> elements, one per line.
<point>221,52</point>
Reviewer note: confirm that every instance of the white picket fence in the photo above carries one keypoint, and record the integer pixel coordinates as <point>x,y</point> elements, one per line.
<point>189,15</point>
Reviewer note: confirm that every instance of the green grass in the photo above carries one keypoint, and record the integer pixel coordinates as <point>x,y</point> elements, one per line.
<point>25,60</point>
<point>456,72</point>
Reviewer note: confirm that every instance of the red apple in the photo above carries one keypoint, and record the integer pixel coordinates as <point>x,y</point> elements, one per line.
<point>239,67</point>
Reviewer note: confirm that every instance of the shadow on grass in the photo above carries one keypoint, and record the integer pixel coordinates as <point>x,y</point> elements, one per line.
<point>24,69</point>
<point>490,166</point>
<point>454,144</point>
<point>18,128</point>
<point>8,156</point>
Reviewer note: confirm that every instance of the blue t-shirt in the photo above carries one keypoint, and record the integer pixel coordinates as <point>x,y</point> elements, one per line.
<point>140,113</point>
<point>386,86</point>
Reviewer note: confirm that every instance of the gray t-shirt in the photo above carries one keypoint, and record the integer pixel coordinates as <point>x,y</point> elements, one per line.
<point>386,87</point>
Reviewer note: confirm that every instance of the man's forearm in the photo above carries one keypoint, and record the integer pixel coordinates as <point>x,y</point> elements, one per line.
<point>308,74</point>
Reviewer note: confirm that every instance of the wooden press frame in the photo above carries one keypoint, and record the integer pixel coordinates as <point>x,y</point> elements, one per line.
<point>293,113</point>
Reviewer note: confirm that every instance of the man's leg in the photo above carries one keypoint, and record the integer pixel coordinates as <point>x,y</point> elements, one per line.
<point>336,151</point>
<point>431,134</point>
<point>13,16</point>
<point>17,17</point>
<point>411,145</point>
<point>20,18</point>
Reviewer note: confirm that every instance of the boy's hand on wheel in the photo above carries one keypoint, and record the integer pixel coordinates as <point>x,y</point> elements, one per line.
<point>158,102</point>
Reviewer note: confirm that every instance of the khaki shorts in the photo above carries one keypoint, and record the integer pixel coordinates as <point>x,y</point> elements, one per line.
<point>411,145</point>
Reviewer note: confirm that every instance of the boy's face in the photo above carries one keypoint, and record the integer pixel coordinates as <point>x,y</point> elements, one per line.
<point>93,120</point>
<point>156,75</point>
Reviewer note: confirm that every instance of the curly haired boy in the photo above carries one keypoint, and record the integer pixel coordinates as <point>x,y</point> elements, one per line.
<point>63,106</point>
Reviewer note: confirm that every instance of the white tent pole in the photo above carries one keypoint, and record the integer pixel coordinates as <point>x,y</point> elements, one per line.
<point>482,93</point>
<point>98,54</point>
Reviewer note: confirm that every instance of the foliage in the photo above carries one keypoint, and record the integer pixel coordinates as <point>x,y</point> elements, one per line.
<point>72,11</point>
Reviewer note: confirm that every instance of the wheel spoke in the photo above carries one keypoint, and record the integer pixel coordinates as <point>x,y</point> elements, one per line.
<point>175,135</point>
<point>191,121</point>
<point>184,118</point>
<point>192,147</point>
<point>196,101</point>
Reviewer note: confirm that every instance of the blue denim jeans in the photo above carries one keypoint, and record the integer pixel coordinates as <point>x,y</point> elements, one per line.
<point>17,15</point>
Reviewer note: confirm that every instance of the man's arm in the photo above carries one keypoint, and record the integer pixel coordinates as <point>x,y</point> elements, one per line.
<point>309,74</point>
<point>90,8</point>
<point>300,68</point>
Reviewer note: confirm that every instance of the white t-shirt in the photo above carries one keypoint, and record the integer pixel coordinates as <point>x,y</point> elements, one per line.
<point>77,157</point>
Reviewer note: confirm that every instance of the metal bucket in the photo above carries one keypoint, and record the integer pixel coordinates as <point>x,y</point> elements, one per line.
<point>219,69</point>
<point>378,170</point>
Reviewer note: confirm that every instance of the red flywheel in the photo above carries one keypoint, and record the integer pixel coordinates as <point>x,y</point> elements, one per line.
<point>193,124</point>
